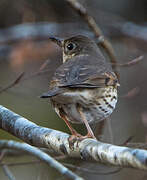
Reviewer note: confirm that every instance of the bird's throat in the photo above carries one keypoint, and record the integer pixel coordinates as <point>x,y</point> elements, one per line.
<point>67,57</point>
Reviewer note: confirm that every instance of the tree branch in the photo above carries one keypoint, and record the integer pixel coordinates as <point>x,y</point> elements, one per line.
<point>8,172</point>
<point>65,164</point>
<point>12,84</point>
<point>87,149</point>
<point>131,63</point>
<point>40,154</point>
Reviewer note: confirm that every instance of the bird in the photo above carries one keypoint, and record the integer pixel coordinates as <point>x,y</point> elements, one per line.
<point>84,87</point>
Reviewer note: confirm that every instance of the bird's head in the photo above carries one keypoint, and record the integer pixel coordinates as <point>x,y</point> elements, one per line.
<point>75,46</point>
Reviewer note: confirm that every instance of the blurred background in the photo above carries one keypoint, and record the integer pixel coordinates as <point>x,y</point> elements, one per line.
<point>25,26</point>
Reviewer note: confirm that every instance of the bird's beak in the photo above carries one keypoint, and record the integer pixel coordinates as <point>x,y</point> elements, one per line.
<point>58,41</point>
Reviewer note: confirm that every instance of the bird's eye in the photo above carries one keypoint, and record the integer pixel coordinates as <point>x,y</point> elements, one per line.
<point>71,46</point>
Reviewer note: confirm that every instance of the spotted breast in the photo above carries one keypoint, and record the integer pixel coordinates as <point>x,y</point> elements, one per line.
<point>96,104</point>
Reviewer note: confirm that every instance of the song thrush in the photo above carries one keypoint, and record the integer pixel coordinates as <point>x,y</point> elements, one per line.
<point>84,88</point>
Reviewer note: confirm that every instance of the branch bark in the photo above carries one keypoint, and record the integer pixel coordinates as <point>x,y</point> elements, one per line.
<point>87,149</point>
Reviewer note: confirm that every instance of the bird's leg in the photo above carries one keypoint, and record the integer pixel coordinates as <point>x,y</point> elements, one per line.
<point>72,130</point>
<point>90,133</point>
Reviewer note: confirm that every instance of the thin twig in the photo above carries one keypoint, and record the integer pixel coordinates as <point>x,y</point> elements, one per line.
<point>131,93</point>
<point>8,172</point>
<point>91,171</point>
<point>5,167</point>
<point>137,145</point>
<point>65,164</point>
<point>14,83</point>
<point>96,30</point>
<point>42,67</point>
<point>61,157</point>
<point>2,154</point>
<point>131,63</point>
<point>21,79</point>
<point>21,163</point>
<point>127,141</point>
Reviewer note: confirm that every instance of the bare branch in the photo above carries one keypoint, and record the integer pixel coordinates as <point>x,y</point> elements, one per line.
<point>131,63</point>
<point>21,163</point>
<point>44,65</point>
<point>5,167</point>
<point>80,9</point>
<point>132,93</point>
<point>21,79</point>
<point>41,155</point>
<point>65,164</point>
<point>15,82</point>
<point>87,149</point>
<point>91,171</point>
<point>8,172</point>
<point>137,145</point>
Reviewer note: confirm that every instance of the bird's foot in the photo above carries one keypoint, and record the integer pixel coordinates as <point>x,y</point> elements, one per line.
<point>78,137</point>
<point>88,135</point>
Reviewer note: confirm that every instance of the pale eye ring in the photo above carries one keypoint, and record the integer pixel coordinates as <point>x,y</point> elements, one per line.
<point>70,46</point>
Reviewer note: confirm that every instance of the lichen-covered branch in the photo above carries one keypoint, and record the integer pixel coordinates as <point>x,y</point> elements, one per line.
<point>87,149</point>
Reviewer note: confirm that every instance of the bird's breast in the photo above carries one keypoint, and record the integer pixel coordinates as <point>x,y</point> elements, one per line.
<point>96,104</point>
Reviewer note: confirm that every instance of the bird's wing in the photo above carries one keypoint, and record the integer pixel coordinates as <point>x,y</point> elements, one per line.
<point>86,72</point>
<point>78,73</point>
<point>94,81</point>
